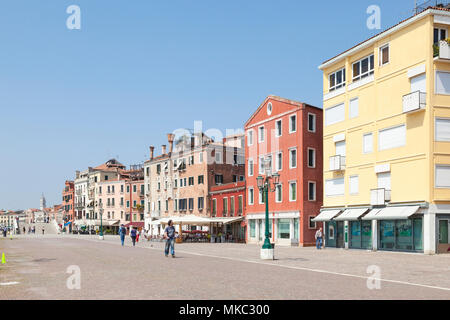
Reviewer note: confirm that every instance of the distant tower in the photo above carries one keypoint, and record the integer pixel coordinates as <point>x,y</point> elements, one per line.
<point>43,203</point>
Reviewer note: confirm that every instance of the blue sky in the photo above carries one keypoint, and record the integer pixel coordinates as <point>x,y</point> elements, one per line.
<point>139,69</point>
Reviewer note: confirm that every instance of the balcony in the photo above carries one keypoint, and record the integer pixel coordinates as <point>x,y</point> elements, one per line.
<point>337,163</point>
<point>379,197</point>
<point>79,205</point>
<point>442,51</point>
<point>415,101</point>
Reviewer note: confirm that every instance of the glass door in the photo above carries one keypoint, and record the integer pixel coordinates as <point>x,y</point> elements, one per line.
<point>443,232</point>
<point>330,228</point>
<point>387,234</point>
<point>366,234</point>
<point>340,234</point>
<point>404,236</point>
<point>261,230</point>
<point>355,234</point>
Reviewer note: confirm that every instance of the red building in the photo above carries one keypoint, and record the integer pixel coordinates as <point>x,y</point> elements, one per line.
<point>68,204</point>
<point>228,201</point>
<point>287,135</point>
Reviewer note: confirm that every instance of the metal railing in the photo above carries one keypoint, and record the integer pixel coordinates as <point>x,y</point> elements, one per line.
<point>414,101</point>
<point>379,197</point>
<point>337,163</point>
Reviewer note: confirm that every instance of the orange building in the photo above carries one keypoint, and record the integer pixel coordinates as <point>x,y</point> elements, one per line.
<point>68,204</point>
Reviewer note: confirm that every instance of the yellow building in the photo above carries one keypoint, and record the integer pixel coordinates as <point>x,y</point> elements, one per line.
<point>387,139</point>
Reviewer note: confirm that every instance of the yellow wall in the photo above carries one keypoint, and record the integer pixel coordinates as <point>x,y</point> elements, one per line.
<point>380,107</point>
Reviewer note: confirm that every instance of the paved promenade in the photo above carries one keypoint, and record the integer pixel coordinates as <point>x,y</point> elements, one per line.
<point>36,268</point>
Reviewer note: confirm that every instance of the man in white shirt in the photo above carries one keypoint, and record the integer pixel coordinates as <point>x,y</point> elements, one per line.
<point>319,237</point>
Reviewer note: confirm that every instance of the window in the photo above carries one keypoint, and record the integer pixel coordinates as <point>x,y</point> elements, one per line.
<point>278,193</point>
<point>200,157</point>
<point>167,205</point>
<point>184,182</point>
<point>311,158</point>
<point>368,143</point>
<point>384,180</point>
<point>218,157</point>
<point>191,204</point>
<point>175,205</point>
<point>335,187</point>
<point>218,179</point>
<point>159,185</point>
<point>225,206</point>
<point>284,228</point>
<point>335,114</point>
<point>158,169</point>
<point>134,188</point>
<point>354,184</point>
<point>250,138</point>
<point>261,197</point>
<point>442,130</point>
<point>134,204</point>
<point>292,158</point>
<point>251,199</point>
<point>261,134</point>
<point>439,34</point>
<point>278,128</point>
<point>337,79</point>
<point>354,108</point>
<point>106,178</point>
<point>235,178</point>
<point>128,189</point>
<point>231,206</point>
<point>311,122</point>
<point>419,83</point>
<point>191,181</point>
<point>442,82</point>
<point>311,191</point>
<point>269,108</point>
<point>293,124</point>
<point>201,179</point>
<point>201,202</point>
<point>261,165</point>
<point>292,191</point>
<point>279,161</point>
<point>363,68</point>
<point>341,147</point>
<point>384,55</point>
<point>214,207</point>
<point>442,176</point>
<point>128,204</point>
<point>181,183</point>
<point>240,205</point>
<point>250,167</point>
<point>392,138</point>
<point>252,228</point>
<point>312,224</point>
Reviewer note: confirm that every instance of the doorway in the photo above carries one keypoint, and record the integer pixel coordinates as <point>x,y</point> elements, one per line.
<point>444,239</point>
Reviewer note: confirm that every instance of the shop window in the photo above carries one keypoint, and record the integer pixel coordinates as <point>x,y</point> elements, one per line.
<point>252,228</point>
<point>284,228</point>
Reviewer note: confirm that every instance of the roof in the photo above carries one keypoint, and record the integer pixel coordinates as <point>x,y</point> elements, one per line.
<point>376,37</point>
<point>110,165</point>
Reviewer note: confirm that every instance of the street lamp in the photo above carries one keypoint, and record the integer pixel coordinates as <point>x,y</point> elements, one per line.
<point>264,185</point>
<point>101,224</point>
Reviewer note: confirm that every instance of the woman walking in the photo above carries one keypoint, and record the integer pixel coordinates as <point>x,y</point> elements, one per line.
<point>133,234</point>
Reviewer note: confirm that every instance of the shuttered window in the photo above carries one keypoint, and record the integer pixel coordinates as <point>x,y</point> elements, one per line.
<point>335,187</point>
<point>354,108</point>
<point>443,130</point>
<point>443,176</point>
<point>335,114</point>
<point>392,138</point>
<point>442,82</point>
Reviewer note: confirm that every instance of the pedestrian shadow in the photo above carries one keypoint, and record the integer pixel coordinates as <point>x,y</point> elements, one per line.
<point>43,260</point>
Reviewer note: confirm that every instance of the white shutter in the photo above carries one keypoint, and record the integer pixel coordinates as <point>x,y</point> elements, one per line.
<point>392,138</point>
<point>354,108</point>
<point>442,129</point>
<point>368,143</point>
<point>443,176</point>
<point>442,82</point>
<point>153,206</point>
<point>335,114</point>
<point>335,187</point>
<point>384,180</point>
<point>419,83</point>
<point>340,148</point>
<point>354,185</point>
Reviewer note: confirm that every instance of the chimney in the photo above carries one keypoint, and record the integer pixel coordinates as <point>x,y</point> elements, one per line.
<point>163,149</point>
<point>77,174</point>
<point>152,152</point>
<point>170,138</point>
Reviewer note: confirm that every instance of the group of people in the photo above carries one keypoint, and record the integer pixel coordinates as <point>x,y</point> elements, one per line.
<point>169,236</point>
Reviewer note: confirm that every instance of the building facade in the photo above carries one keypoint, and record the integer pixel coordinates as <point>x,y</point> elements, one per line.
<point>287,136</point>
<point>387,139</point>
<point>68,201</point>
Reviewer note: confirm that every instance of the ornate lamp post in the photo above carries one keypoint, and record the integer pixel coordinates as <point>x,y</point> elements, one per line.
<point>101,224</point>
<point>265,186</point>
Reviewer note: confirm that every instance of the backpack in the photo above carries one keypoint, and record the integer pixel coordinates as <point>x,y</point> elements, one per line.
<point>123,231</point>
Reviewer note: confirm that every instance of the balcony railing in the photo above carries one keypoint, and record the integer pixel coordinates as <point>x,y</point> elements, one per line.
<point>337,163</point>
<point>414,101</point>
<point>442,50</point>
<point>379,197</point>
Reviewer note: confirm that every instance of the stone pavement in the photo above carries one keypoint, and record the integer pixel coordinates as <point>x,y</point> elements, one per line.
<point>36,269</point>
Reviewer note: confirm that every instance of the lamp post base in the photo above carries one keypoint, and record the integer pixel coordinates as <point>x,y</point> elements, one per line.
<point>267,254</point>
<point>101,237</point>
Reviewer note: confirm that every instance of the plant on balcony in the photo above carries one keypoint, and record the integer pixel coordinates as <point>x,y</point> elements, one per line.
<point>140,208</point>
<point>435,50</point>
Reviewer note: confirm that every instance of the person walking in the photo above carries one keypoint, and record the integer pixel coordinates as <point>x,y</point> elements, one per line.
<point>24,230</point>
<point>133,234</point>
<point>319,238</point>
<point>122,233</point>
<point>4,232</point>
<point>169,235</point>
<point>138,233</point>
<point>43,230</point>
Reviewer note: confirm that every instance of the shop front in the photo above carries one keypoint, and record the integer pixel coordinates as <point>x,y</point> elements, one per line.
<point>443,226</point>
<point>284,228</point>
<point>334,230</point>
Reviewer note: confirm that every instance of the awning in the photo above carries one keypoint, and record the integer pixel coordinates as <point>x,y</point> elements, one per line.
<point>396,213</point>
<point>136,224</point>
<point>351,214</point>
<point>371,215</point>
<point>196,220</point>
<point>227,220</point>
<point>326,215</point>
<point>113,222</point>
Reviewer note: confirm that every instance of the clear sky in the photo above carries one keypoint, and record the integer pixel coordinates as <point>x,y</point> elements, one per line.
<point>139,69</point>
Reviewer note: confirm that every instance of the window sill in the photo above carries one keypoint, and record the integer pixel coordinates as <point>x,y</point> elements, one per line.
<point>360,83</point>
